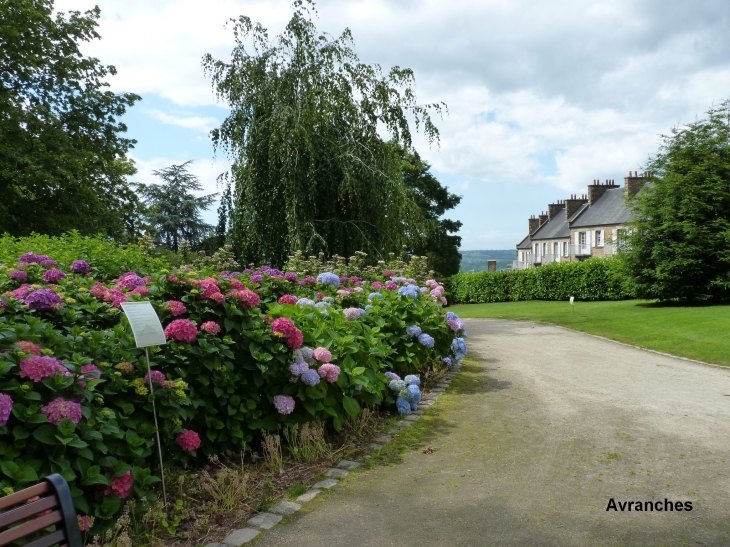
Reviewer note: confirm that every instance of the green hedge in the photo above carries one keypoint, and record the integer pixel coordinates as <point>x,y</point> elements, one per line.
<point>594,279</point>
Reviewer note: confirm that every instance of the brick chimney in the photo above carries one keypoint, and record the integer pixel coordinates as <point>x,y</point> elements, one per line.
<point>633,183</point>
<point>554,208</point>
<point>573,204</point>
<point>543,218</point>
<point>534,224</point>
<point>596,190</point>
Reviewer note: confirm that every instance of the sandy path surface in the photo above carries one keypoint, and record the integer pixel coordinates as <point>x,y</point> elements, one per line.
<point>533,440</point>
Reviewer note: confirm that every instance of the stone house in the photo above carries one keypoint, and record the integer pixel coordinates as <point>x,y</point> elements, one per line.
<point>582,227</point>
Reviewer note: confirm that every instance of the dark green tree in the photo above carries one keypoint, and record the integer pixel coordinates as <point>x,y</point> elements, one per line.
<point>310,170</point>
<point>441,245</point>
<point>63,162</point>
<point>680,243</point>
<point>173,210</point>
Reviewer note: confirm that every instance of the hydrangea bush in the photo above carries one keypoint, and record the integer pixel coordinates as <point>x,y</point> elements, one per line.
<point>246,351</point>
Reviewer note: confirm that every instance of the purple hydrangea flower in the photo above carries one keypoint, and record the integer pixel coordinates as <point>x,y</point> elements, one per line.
<point>297,369</point>
<point>290,276</point>
<point>42,299</point>
<point>3,304</point>
<point>29,257</point>
<point>6,407</point>
<point>130,280</point>
<point>392,375</point>
<point>257,278</point>
<point>60,409</point>
<point>307,353</point>
<point>18,275</point>
<point>284,404</point>
<point>446,361</point>
<point>80,267</point>
<point>48,263</point>
<point>451,316</point>
<point>426,340</point>
<point>53,276</point>
<point>305,302</point>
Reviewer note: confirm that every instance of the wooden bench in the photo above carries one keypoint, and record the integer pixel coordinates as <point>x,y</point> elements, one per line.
<point>20,519</point>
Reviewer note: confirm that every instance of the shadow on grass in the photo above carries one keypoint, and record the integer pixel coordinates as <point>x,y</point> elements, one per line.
<point>680,304</point>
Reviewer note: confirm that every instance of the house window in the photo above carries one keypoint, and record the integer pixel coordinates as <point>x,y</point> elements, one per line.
<point>581,238</point>
<point>565,248</point>
<point>599,238</point>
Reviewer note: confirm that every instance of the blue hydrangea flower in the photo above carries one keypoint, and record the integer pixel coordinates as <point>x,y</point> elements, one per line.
<point>307,353</point>
<point>403,406</point>
<point>368,307</point>
<point>374,295</point>
<point>426,340</point>
<point>446,361</point>
<point>397,385</point>
<point>451,316</point>
<point>414,407</point>
<point>328,278</point>
<point>298,368</point>
<point>310,377</point>
<point>412,379</point>
<point>458,345</point>
<point>412,291</point>
<point>414,394</point>
<point>413,330</point>
<point>305,302</point>
<point>362,311</point>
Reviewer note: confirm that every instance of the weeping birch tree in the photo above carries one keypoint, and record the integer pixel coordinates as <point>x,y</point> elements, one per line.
<point>310,167</point>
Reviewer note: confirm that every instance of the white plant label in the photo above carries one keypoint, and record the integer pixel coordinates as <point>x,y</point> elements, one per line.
<point>146,326</point>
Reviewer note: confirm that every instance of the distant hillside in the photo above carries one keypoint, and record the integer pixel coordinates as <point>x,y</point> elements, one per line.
<point>476,261</point>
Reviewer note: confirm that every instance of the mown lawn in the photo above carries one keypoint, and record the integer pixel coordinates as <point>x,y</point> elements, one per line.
<point>697,332</point>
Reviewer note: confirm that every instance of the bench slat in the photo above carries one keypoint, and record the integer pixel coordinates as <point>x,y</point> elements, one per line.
<point>24,495</point>
<point>51,539</point>
<point>28,510</point>
<point>30,527</point>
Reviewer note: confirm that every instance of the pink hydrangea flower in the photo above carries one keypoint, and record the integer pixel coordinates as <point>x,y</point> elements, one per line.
<point>28,347</point>
<point>358,289</point>
<point>53,276</point>
<point>141,291</point>
<point>236,284</point>
<point>6,407</point>
<point>210,287</point>
<point>444,301</point>
<point>91,371</point>
<point>21,291</point>
<point>391,285</point>
<point>176,307</point>
<point>188,440</point>
<point>182,330</point>
<point>351,313</point>
<point>60,409</point>
<point>424,290</point>
<point>329,371</point>
<point>84,523</point>
<point>454,325</point>
<point>218,297</point>
<point>157,378</point>
<point>322,354</point>
<point>245,297</point>
<point>432,283</point>
<point>284,404</point>
<point>376,285</point>
<point>438,292</point>
<point>121,486</point>
<point>309,280</point>
<point>288,299</point>
<point>36,368</point>
<point>286,328</point>
<point>210,327</point>
<point>388,273</point>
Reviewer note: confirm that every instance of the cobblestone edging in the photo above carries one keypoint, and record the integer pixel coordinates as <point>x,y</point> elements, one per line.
<point>265,521</point>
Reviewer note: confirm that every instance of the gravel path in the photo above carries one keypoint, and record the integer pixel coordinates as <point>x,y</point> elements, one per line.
<point>533,441</point>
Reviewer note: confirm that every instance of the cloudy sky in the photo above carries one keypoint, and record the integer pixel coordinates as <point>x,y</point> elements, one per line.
<point>543,96</point>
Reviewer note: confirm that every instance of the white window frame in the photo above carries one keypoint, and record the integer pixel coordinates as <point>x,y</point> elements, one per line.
<point>599,238</point>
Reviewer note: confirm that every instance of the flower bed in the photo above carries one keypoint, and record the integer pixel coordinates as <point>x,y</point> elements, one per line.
<point>246,352</point>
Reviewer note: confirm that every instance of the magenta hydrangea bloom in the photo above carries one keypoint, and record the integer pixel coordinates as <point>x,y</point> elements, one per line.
<point>80,267</point>
<point>391,285</point>
<point>182,330</point>
<point>121,486</point>
<point>309,280</point>
<point>53,276</point>
<point>141,291</point>
<point>130,280</point>
<point>210,327</point>
<point>322,354</point>
<point>376,285</point>
<point>18,275</point>
<point>21,291</point>
<point>392,376</point>
<point>84,523</point>
<point>60,409</point>
<point>188,440</point>
<point>91,371</point>
<point>210,288</point>
<point>36,368</point>
<point>6,407</point>
<point>43,299</point>
<point>290,276</point>
<point>287,329</point>
<point>157,377</point>
<point>48,263</point>
<point>3,304</point>
<point>288,299</point>
<point>284,404</point>
<point>329,371</point>
<point>176,307</point>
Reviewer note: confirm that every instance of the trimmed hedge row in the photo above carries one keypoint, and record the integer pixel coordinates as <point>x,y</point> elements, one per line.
<point>594,279</point>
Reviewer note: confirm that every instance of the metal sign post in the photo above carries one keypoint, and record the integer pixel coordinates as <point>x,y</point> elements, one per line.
<point>148,331</point>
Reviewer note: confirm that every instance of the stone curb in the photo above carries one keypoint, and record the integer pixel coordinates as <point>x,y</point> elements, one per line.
<point>285,508</point>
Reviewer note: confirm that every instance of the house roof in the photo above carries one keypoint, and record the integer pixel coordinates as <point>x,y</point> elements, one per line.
<point>525,243</point>
<point>555,228</point>
<point>609,209</point>
<point>578,212</point>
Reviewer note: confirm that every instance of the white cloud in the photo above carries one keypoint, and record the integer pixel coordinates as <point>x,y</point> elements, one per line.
<point>206,170</point>
<point>199,123</point>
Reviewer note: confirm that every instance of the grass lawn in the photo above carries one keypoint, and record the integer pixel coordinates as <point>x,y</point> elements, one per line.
<point>697,332</point>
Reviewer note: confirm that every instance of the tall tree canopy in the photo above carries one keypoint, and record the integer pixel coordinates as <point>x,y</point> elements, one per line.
<point>173,210</point>
<point>680,245</point>
<point>310,169</point>
<point>441,245</point>
<point>62,157</point>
